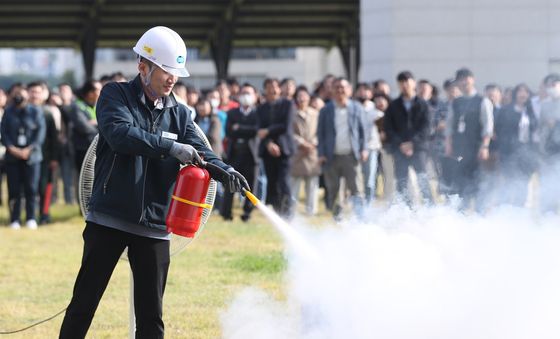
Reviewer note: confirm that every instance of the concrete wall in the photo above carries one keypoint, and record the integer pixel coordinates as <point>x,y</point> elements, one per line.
<point>504,41</point>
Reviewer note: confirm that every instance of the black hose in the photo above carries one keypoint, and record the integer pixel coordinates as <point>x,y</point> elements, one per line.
<point>33,325</point>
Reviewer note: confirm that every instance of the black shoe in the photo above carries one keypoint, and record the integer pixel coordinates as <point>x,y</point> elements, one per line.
<point>245,217</point>
<point>227,217</point>
<point>44,219</point>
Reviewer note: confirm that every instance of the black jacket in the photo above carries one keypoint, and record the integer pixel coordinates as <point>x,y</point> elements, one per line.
<point>402,125</point>
<point>507,129</point>
<point>245,133</point>
<point>30,122</point>
<point>134,174</point>
<point>278,118</point>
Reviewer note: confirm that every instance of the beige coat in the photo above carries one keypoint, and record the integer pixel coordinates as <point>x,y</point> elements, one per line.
<point>305,131</point>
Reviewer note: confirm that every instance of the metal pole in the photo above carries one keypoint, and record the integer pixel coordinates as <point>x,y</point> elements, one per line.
<point>131,316</point>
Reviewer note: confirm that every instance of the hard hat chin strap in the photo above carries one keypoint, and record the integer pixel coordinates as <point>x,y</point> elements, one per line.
<point>147,81</point>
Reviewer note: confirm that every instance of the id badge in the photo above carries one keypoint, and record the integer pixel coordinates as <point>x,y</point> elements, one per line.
<point>462,126</point>
<point>21,140</point>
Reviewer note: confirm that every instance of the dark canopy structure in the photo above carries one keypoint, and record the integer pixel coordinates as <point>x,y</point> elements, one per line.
<point>215,25</point>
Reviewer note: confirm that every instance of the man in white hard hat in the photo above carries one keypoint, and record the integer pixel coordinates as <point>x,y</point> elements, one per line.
<point>144,136</point>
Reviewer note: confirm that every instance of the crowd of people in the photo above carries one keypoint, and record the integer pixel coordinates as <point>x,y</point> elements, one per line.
<point>484,147</point>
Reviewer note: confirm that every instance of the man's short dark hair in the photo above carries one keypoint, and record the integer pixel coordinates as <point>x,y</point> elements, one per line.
<point>180,84</point>
<point>35,84</point>
<point>87,87</point>
<point>364,85</point>
<point>551,78</point>
<point>463,73</point>
<point>232,81</point>
<point>448,83</point>
<point>192,89</point>
<point>246,84</point>
<point>424,82</point>
<point>270,81</point>
<point>491,87</point>
<point>285,80</point>
<point>404,76</point>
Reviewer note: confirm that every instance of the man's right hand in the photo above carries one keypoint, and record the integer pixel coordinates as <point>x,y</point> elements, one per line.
<point>185,153</point>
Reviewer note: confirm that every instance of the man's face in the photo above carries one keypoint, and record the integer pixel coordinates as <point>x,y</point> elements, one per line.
<point>66,93</point>
<point>341,90</point>
<point>36,95</point>
<point>453,92</point>
<point>466,84</point>
<point>384,89</point>
<point>288,89</point>
<point>272,90</point>
<point>94,94</point>
<point>364,93</point>
<point>495,96</point>
<point>425,91</point>
<point>224,93</point>
<point>408,87</point>
<point>161,82</point>
<point>203,108</point>
<point>192,98</point>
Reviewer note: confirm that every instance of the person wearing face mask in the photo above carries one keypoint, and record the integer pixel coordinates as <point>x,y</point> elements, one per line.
<point>23,133</point>
<point>144,137</point>
<point>214,98</point>
<point>242,152</point>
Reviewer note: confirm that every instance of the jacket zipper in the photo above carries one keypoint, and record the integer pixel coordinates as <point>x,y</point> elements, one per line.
<point>109,175</point>
<point>152,130</point>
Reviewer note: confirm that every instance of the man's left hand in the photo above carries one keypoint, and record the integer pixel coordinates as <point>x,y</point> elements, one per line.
<point>235,181</point>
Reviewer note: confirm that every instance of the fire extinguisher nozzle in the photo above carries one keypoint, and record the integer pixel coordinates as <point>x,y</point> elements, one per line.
<point>251,197</point>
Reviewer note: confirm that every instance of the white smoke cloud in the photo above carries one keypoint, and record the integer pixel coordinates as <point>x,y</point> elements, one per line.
<point>433,273</point>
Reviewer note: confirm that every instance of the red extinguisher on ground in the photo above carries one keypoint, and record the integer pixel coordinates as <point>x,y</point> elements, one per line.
<point>188,201</point>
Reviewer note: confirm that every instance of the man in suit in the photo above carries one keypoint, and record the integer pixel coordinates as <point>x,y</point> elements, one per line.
<point>407,124</point>
<point>241,131</point>
<point>341,143</point>
<point>275,131</point>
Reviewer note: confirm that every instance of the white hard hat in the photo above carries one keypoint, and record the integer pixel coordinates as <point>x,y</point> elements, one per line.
<point>165,48</point>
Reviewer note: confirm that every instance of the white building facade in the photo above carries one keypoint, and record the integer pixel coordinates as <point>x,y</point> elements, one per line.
<point>501,41</point>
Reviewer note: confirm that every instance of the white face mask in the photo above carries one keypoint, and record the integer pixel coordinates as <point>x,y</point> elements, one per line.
<point>215,103</point>
<point>246,100</point>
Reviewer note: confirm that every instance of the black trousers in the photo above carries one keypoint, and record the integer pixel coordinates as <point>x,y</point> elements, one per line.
<point>278,193</point>
<point>418,161</point>
<point>22,175</point>
<point>245,164</point>
<point>149,261</point>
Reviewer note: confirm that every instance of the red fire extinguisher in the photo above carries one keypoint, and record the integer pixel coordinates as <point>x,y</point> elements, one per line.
<point>188,201</point>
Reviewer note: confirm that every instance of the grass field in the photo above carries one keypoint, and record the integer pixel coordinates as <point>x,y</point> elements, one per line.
<point>39,268</point>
